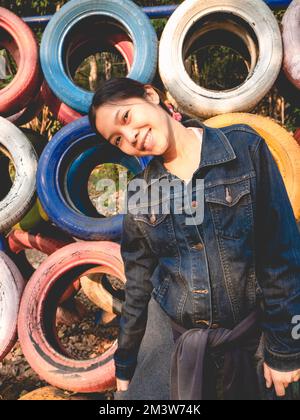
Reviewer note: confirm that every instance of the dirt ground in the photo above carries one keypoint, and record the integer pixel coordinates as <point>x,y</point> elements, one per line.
<point>83,340</point>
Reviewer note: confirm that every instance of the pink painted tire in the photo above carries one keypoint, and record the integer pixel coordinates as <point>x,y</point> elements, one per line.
<point>63,112</point>
<point>18,241</point>
<point>297,135</point>
<point>31,111</point>
<point>291,43</point>
<point>20,91</point>
<point>11,288</point>
<point>37,334</point>
<point>35,105</point>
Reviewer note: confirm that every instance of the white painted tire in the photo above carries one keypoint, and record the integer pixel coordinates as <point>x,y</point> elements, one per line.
<point>11,288</point>
<point>195,100</point>
<point>291,42</point>
<point>22,193</point>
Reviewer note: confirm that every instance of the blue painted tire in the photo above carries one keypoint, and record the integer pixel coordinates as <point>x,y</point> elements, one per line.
<point>62,176</point>
<point>55,40</point>
<point>3,244</point>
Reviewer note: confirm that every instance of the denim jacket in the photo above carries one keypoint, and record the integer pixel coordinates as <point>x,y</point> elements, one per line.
<point>245,253</point>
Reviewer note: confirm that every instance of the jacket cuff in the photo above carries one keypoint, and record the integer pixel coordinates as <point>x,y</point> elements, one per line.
<point>125,369</point>
<point>282,362</point>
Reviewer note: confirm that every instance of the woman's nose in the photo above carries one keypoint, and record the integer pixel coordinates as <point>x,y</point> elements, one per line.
<point>132,137</point>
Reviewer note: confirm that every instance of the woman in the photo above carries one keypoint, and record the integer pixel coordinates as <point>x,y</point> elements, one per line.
<point>229,285</point>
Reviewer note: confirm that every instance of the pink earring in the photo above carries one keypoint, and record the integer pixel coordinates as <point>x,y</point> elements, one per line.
<point>176,115</point>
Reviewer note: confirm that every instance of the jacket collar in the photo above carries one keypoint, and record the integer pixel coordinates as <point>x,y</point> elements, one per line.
<point>216,149</point>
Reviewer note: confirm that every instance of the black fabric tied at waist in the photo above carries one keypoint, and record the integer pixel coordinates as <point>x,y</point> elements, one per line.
<point>238,347</point>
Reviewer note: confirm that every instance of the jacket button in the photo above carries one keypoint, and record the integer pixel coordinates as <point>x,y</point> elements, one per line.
<point>198,246</point>
<point>201,292</point>
<point>229,198</point>
<point>152,218</point>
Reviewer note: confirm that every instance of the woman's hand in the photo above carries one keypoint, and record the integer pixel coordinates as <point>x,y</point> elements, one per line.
<point>122,385</point>
<point>281,380</point>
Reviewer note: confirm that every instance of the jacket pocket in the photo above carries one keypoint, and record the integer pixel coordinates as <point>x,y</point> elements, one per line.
<point>230,205</point>
<point>157,228</point>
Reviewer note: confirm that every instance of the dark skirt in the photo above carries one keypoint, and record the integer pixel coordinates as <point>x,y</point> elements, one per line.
<point>151,380</point>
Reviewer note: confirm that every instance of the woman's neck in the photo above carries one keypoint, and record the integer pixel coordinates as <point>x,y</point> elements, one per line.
<point>183,144</point>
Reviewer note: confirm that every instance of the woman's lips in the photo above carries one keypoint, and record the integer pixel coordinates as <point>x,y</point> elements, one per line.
<point>149,142</point>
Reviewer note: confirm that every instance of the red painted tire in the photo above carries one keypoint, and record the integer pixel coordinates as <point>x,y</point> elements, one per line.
<point>31,111</point>
<point>18,241</point>
<point>17,94</point>
<point>291,43</point>
<point>37,335</point>
<point>11,288</point>
<point>63,112</point>
<point>35,105</point>
<point>83,44</point>
<point>297,135</point>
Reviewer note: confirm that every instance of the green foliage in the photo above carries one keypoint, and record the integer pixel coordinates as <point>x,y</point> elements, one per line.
<point>32,7</point>
<point>45,7</point>
<point>11,68</point>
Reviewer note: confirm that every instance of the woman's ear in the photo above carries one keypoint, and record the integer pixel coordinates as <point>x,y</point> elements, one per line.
<point>151,94</point>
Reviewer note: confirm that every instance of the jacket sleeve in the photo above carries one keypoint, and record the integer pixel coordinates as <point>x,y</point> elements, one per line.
<point>278,263</point>
<point>139,264</point>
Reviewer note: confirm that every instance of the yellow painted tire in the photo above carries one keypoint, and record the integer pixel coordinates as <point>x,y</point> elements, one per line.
<point>51,393</point>
<point>95,291</point>
<point>283,146</point>
<point>33,218</point>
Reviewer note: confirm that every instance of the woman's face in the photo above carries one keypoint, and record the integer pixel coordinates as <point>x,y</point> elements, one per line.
<point>137,126</point>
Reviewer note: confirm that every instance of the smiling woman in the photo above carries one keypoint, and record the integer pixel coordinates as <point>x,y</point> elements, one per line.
<point>120,108</point>
<point>229,284</point>
<point>133,117</point>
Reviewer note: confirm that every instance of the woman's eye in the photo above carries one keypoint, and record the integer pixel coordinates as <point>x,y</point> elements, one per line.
<point>118,138</point>
<point>126,113</point>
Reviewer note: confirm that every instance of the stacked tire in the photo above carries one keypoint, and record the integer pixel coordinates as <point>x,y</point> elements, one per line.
<point>20,100</point>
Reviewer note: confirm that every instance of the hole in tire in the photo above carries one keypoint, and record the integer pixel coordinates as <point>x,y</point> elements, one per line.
<point>8,66</point>
<point>220,52</point>
<point>87,337</point>
<point>89,57</point>
<point>7,172</point>
<point>107,204</point>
